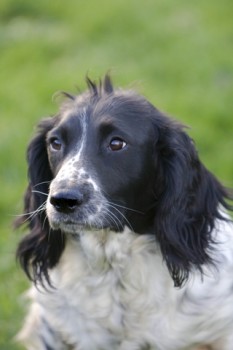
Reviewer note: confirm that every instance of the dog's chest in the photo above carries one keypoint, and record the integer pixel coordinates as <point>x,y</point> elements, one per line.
<point>113,291</point>
<point>104,288</point>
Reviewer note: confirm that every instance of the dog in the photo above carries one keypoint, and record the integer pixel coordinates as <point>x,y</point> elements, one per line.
<point>130,244</point>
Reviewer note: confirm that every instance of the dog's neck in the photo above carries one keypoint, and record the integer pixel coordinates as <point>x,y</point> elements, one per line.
<point>99,253</point>
<point>105,249</point>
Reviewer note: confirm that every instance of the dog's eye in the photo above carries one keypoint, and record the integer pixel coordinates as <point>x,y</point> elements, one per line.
<point>117,144</point>
<point>55,144</point>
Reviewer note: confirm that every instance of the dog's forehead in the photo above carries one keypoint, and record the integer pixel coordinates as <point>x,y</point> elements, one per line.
<point>70,119</point>
<point>117,110</point>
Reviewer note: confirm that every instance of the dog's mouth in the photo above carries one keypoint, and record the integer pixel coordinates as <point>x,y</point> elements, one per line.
<point>75,222</point>
<point>92,218</point>
<point>70,227</point>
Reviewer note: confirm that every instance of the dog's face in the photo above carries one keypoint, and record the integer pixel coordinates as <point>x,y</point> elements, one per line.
<point>109,160</point>
<point>103,165</point>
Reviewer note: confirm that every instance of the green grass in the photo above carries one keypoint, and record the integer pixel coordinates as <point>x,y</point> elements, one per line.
<point>179,54</point>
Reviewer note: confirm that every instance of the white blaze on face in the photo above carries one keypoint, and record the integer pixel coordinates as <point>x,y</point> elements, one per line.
<point>72,171</point>
<point>81,145</point>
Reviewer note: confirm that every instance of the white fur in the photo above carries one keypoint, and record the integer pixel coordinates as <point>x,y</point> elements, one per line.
<point>113,291</point>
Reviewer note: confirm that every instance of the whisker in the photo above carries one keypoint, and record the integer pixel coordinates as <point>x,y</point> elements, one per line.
<point>113,218</point>
<point>106,213</point>
<point>44,222</point>
<point>32,214</point>
<point>36,212</point>
<point>45,194</point>
<point>127,221</point>
<point>123,207</point>
<point>39,209</point>
<point>42,183</point>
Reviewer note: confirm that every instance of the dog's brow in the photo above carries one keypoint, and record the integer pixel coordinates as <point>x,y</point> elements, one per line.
<point>109,124</point>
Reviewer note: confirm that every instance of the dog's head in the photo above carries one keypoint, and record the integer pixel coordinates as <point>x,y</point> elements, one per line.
<point>110,159</point>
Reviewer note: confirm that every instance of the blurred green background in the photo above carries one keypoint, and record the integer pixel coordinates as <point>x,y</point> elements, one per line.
<point>179,54</point>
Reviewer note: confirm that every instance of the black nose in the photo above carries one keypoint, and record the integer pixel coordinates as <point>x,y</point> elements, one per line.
<point>66,202</point>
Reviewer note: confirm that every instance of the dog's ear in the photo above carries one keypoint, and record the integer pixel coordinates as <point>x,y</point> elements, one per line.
<point>42,247</point>
<point>188,205</point>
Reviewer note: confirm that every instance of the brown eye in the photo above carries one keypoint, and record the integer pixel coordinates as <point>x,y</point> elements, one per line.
<point>117,144</point>
<point>55,144</point>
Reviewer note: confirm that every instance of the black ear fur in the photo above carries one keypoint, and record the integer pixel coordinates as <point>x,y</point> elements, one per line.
<point>188,206</point>
<point>42,247</point>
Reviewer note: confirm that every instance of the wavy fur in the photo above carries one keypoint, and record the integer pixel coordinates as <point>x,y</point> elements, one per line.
<point>116,188</point>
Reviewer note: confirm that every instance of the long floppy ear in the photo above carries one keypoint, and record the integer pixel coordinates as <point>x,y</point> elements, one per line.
<point>41,248</point>
<point>188,206</point>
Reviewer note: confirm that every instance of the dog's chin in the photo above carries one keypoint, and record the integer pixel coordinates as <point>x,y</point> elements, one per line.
<point>78,227</point>
<point>73,228</point>
<point>70,224</point>
<point>77,224</point>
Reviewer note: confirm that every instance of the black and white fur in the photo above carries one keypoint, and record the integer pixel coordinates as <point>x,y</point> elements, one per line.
<point>130,246</point>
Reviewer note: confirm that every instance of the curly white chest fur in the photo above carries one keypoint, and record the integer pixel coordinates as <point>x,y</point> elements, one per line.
<point>114,289</point>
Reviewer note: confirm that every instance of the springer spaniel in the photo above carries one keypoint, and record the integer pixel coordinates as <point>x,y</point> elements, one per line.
<point>130,244</point>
